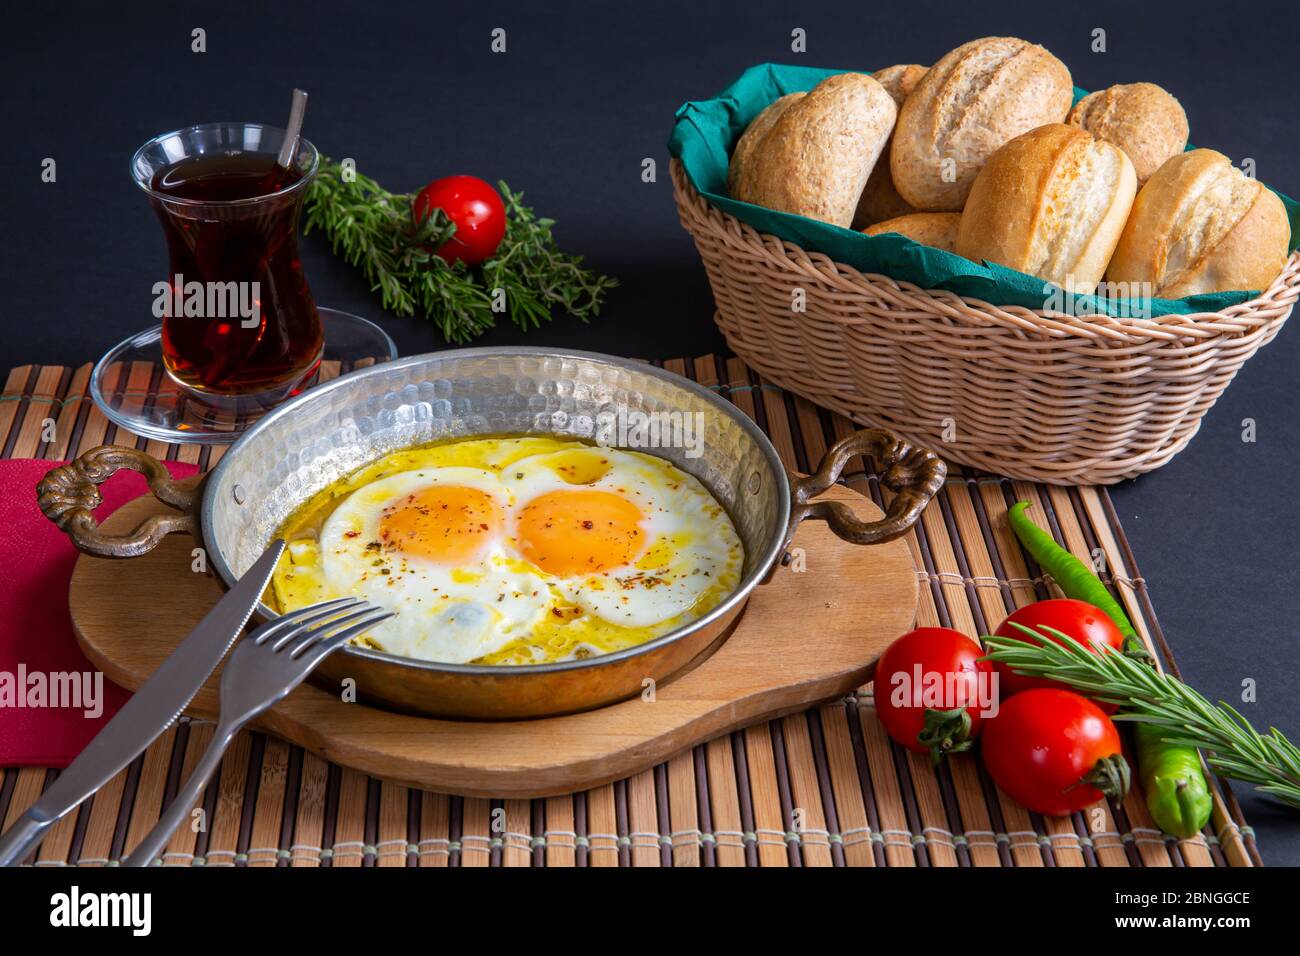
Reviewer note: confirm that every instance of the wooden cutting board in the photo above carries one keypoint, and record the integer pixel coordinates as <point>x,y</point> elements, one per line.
<point>806,636</point>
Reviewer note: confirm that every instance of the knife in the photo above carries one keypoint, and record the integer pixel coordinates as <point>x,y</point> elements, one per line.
<point>149,712</point>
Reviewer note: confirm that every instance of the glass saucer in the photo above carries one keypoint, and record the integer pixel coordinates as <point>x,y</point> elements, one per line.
<point>132,388</point>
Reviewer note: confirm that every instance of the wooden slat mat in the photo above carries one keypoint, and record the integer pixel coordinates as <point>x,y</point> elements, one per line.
<point>822,788</point>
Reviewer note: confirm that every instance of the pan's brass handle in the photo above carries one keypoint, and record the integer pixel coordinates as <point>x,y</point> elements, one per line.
<point>915,474</point>
<point>70,493</point>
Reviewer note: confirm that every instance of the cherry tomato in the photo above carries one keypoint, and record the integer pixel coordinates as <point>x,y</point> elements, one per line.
<point>476,209</point>
<point>1079,619</point>
<point>1054,752</point>
<point>931,689</point>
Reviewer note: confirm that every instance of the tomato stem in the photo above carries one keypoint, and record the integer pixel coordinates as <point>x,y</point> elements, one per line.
<point>1110,775</point>
<point>945,732</point>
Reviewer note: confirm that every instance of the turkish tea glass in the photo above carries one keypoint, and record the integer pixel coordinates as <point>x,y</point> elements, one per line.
<point>240,329</point>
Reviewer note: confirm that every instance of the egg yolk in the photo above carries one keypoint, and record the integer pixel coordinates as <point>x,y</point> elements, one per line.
<point>449,524</point>
<point>581,466</point>
<point>580,532</point>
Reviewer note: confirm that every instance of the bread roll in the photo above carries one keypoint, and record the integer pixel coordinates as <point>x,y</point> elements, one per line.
<point>880,200</point>
<point>900,79</point>
<point>1052,203</point>
<point>938,229</point>
<point>752,137</point>
<point>1202,225</point>
<point>816,158</point>
<point>976,98</point>
<point>1140,118</point>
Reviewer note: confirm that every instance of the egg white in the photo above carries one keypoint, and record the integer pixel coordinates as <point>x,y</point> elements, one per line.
<point>445,613</point>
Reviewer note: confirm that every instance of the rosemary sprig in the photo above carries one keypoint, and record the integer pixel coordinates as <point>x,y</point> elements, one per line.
<point>373,229</point>
<point>1231,745</point>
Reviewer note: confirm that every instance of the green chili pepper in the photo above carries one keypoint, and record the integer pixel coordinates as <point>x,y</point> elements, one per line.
<point>1072,576</point>
<point>1177,794</point>
<point>1175,786</point>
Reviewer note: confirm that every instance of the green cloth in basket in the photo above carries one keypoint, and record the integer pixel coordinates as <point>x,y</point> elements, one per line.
<point>706,131</point>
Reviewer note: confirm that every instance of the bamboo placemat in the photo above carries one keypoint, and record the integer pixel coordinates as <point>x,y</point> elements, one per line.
<point>821,788</point>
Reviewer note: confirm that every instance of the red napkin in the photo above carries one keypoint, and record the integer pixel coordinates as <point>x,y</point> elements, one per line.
<point>36,637</point>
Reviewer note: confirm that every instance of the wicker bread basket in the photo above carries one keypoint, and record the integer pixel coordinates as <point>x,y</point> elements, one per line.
<point>1019,392</point>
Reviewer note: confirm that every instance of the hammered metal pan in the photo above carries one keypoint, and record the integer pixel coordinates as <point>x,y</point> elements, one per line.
<point>333,429</point>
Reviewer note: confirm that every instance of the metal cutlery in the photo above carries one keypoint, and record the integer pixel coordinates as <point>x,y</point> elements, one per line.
<point>149,712</point>
<point>263,669</point>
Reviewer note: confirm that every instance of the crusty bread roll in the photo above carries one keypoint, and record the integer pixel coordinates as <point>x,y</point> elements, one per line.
<point>1202,225</point>
<point>752,137</point>
<point>880,200</point>
<point>816,158</point>
<point>976,98</point>
<point>1140,118</point>
<point>1052,203</point>
<point>938,229</point>
<point>900,79</point>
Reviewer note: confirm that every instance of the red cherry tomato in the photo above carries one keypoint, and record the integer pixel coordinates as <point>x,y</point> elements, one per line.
<point>931,689</point>
<point>1079,619</point>
<point>476,209</point>
<point>1054,752</point>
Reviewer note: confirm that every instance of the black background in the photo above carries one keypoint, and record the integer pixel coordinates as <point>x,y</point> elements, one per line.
<point>584,93</point>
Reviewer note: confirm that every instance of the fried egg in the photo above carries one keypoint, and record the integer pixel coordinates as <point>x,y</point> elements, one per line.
<point>514,550</point>
<point>429,545</point>
<point>623,535</point>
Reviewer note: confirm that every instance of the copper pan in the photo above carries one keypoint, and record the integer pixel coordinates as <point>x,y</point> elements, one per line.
<point>335,428</point>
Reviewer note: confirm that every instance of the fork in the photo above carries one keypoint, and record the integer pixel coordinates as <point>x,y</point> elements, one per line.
<point>263,668</point>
